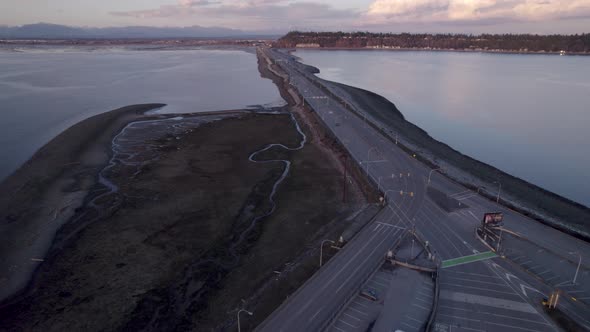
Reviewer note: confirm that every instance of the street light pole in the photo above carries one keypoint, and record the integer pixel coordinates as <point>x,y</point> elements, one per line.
<point>499,189</point>
<point>322,249</point>
<point>379,183</point>
<point>246,311</point>
<point>578,268</point>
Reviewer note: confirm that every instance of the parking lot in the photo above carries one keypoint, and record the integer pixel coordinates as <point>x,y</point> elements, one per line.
<point>472,298</point>
<point>361,311</point>
<point>555,270</point>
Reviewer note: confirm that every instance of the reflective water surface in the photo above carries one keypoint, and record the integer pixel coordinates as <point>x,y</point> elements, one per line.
<point>44,91</point>
<point>525,114</point>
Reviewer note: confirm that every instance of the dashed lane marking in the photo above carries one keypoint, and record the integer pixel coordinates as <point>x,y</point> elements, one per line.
<point>419,306</point>
<point>362,305</point>
<point>425,301</point>
<point>478,288</point>
<point>351,316</point>
<point>337,328</point>
<point>477,281</point>
<point>341,321</point>
<point>425,295</point>
<point>414,319</point>
<point>355,309</point>
<point>512,326</point>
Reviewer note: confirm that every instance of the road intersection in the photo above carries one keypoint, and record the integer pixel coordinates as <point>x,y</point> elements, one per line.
<point>482,295</point>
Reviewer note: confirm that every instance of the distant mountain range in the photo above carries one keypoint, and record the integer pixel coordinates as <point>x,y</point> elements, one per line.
<point>55,31</point>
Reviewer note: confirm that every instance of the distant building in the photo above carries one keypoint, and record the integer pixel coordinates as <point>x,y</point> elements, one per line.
<point>307,45</point>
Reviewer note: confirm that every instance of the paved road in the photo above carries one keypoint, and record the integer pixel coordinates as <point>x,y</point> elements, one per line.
<point>495,294</point>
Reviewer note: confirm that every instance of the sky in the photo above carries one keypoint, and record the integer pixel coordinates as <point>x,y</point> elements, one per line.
<point>279,16</point>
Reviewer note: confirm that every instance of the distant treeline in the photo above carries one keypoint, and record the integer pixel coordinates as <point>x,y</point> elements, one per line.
<point>485,42</point>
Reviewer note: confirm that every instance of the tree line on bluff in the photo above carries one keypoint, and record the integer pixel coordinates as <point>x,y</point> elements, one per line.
<point>505,42</point>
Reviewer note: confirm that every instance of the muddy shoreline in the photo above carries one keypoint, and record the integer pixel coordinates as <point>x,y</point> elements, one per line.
<point>173,210</point>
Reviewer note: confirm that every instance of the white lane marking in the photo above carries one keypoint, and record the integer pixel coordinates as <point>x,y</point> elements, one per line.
<point>379,283</point>
<point>515,259</point>
<point>414,319</point>
<point>419,306</point>
<point>337,328</point>
<point>471,213</point>
<point>341,321</point>
<point>355,309</point>
<point>389,225</point>
<point>512,317</point>
<point>471,329</point>
<point>459,317</point>
<point>544,272</point>
<point>425,295</point>
<point>493,267</point>
<point>512,326</point>
<point>314,316</point>
<point>369,255</point>
<point>351,316</point>
<point>382,278</point>
<point>425,301</point>
<point>377,227</point>
<point>453,308</point>
<point>495,302</point>
<point>478,288</point>
<point>552,278</point>
<point>471,280</point>
<point>524,263</point>
<point>362,305</point>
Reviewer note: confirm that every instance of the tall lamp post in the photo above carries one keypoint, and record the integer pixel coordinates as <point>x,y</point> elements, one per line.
<point>322,250</point>
<point>579,263</point>
<point>499,189</point>
<point>246,311</point>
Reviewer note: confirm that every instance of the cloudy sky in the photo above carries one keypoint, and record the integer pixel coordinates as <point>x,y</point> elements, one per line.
<point>278,16</point>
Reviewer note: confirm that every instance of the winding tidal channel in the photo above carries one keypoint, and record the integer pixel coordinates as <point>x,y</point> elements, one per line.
<point>135,147</point>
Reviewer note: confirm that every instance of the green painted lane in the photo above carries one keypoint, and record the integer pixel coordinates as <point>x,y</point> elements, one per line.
<point>468,259</point>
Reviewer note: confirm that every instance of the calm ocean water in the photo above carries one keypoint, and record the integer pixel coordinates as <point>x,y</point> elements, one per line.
<point>45,90</point>
<point>525,114</point>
